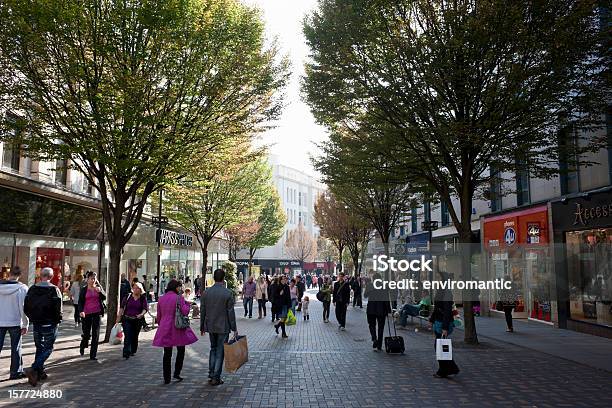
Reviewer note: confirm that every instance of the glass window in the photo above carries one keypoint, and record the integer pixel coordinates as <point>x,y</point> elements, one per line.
<point>6,255</point>
<point>61,172</point>
<point>522,183</point>
<point>10,157</point>
<point>444,214</point>
<point>589,267</point>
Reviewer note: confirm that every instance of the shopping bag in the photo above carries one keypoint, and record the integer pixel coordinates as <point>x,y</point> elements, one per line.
<point>236,353</point>
<point>444,349</point>
<point>291,320</point>
<point>116,334</point>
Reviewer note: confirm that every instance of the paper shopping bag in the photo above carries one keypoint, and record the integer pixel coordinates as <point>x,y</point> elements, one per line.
<point>444,349</point>
<point>236,352</point>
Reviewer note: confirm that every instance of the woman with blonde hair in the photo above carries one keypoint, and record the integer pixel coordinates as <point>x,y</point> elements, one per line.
<point>261,293</point>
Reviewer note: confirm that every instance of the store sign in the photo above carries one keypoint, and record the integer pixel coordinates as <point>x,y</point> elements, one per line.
<point>509,236</point>
<point>289,263</point>
<point>173,238</point>
<point>533,233</point>
<point>583,214</point>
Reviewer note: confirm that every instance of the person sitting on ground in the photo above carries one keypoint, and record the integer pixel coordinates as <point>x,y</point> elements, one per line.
<point>415,310</point>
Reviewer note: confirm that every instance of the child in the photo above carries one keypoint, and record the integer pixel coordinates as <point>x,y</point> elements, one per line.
<point>305,303</point>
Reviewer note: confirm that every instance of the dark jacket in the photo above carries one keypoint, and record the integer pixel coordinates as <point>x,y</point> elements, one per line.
<point>281,297</point>
<point>124,290</point>
<point>217,310</point>
<point>342,292</point>
<point>102,298</point>
<point>301,288</point>
<point>43,304</point>
<point>377,307</point>
<point>271,291</point>
<point>443,312</point>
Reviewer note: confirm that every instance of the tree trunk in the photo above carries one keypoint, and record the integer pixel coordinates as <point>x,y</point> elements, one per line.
<point>465,241</point>
<point>341,252</point>
<point>112,297</point>
<point>204,264</point>
<point>251,256</point>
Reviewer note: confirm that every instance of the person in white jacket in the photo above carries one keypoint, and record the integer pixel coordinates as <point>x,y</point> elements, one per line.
<point>13,319</point>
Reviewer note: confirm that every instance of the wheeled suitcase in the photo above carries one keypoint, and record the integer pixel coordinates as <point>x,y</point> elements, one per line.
<point>394,344</point>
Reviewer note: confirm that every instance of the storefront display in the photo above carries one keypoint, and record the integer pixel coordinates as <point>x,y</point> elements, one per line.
<point>516,245</point>
<point>583,232</point>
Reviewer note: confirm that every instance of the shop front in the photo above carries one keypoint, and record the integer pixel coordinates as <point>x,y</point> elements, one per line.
<point>516,247</point>
<point>38,232</point>
<point>270,266</point>
<point>320,268</point>
<point>582,227</point>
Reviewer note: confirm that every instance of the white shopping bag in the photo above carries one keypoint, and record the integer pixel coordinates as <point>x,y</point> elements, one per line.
<point>444,349</point>
<point>116,336</point>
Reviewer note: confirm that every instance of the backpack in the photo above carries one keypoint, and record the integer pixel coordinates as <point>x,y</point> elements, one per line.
<point>42,305</point>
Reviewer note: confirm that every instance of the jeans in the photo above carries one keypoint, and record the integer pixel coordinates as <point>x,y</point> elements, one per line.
<point>326,307</point>
<point>294,303</point>
<point>341,313</point>
<point>508,314</point>
<point>91,329</point>
<point>377,336</point>
<point>16,359</point>
<point>77,316</point>
<point>178,364</point>
<point>408,310</point>
<point>261,305</point>
<point>44,338</point>
<point>248,306</point>
<point>215,360</point>
<point>131,331</point>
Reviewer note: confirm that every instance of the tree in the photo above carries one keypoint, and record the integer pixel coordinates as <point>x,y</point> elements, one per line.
<point>129,89</point>
<point>238,236</point>
<point>230,276</point>
<point>330,216</point>
<point>300,244</point>
<point>326,251</point>
<point>357,235</point>
<point>451,90</point>
<point>227,191</point>
<point>271,223</point>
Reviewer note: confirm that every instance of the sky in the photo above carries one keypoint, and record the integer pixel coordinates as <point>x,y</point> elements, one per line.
<point>296,133</point>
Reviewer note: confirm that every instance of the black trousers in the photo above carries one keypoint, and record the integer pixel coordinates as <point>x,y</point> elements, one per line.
<point>131,331</point>
<point>341,313</point>
<point>77,316</point>
<point>178,363</point>
<point>377,335</point>
<point>357,298</point>
<point>508,314</point>
<point>261,306</point>
<point>326,306</point>
<point>91,330</point>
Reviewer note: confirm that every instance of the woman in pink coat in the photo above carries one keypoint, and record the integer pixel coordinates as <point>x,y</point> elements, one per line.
<point>167,335</point>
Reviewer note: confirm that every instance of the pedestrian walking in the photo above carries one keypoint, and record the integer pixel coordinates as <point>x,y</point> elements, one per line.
<point>218,319</point>
<point>376,311</point>
<point>274,311</point>
<point>301,289</point>
<point>131,316</point>
<point>197,286</point>
<point>356,286</point>
<point>508,299</point>
<point>261,294</point>
<point>43,306</point>
<point>442,326</point>
<point>320,280</point>
<point>293,292</point>
<point>326,290</point>
<point>167,334</point>
<point>281,303</point>
<point>341,299</point>
<point>91,310</point>
<point>248,293</point>
<point>124,289</point>
<point>75,291</point>
<point>13,319</point>
<point>305,307</point>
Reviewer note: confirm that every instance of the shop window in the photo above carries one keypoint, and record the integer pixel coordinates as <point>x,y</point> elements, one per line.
<point>589,267</point>
<point>61,172</point>
<point>495,190</point>
<point>6,255</point>
<point>522,183</point>
<point>444,214</point>
<point>10,157</point>
<point>569,169</point>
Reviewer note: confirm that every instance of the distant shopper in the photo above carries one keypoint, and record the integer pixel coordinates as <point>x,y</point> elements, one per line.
<point>13,319</point>
<point>305,308</point>
<point>294,293</point>
<point>320,280</point>
<point>376,311</point>
<point>248,293</point>
<point>356,286</point>
<point>301,289</point>
<point>423,307</point>
<point>91,310</point>
<point>167,334</point>
<point>43,306</point>
<point>218,319</point>
<point>341,299</point>
<point>326,290</point>
<point>131,316</point>
<point>124,289</point>
<point>75,291</point>
<point>261,294</point>
<point>274,310</point>
<point>442,325</point>
<point>197,286</point>
<point>508,302</point>
<point>281,303</point>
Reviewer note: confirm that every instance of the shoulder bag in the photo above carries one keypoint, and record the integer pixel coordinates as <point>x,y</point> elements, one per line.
<point>180,320</point>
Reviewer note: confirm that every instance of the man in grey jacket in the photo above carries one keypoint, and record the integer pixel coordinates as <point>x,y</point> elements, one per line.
<point>218,319</point>
<point>13,319</point>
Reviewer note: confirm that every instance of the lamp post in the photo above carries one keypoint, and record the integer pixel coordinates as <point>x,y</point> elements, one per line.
<point>429,226</point>
<point>160,221</point>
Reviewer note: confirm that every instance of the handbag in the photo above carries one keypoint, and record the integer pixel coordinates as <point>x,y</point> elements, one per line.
<point>236,353</point>
<point>320,296</point>
<point>394,344</point>
<point>180,320</point>
<point>499,306</point>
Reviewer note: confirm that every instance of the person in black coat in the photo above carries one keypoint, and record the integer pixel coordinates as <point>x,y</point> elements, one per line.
<point>442,321</point>
<point>281,303</point>
<point>341,299</point>
<point>274,310</point>
<point>91,309</point>
<point>356,286</point>
<point>377,310</point>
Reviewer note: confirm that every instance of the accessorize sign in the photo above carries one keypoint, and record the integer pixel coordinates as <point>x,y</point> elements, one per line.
<point>167,237</point>
<point>583,212</point>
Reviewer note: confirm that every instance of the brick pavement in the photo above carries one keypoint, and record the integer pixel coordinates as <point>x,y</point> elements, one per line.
<point>318,366</point>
